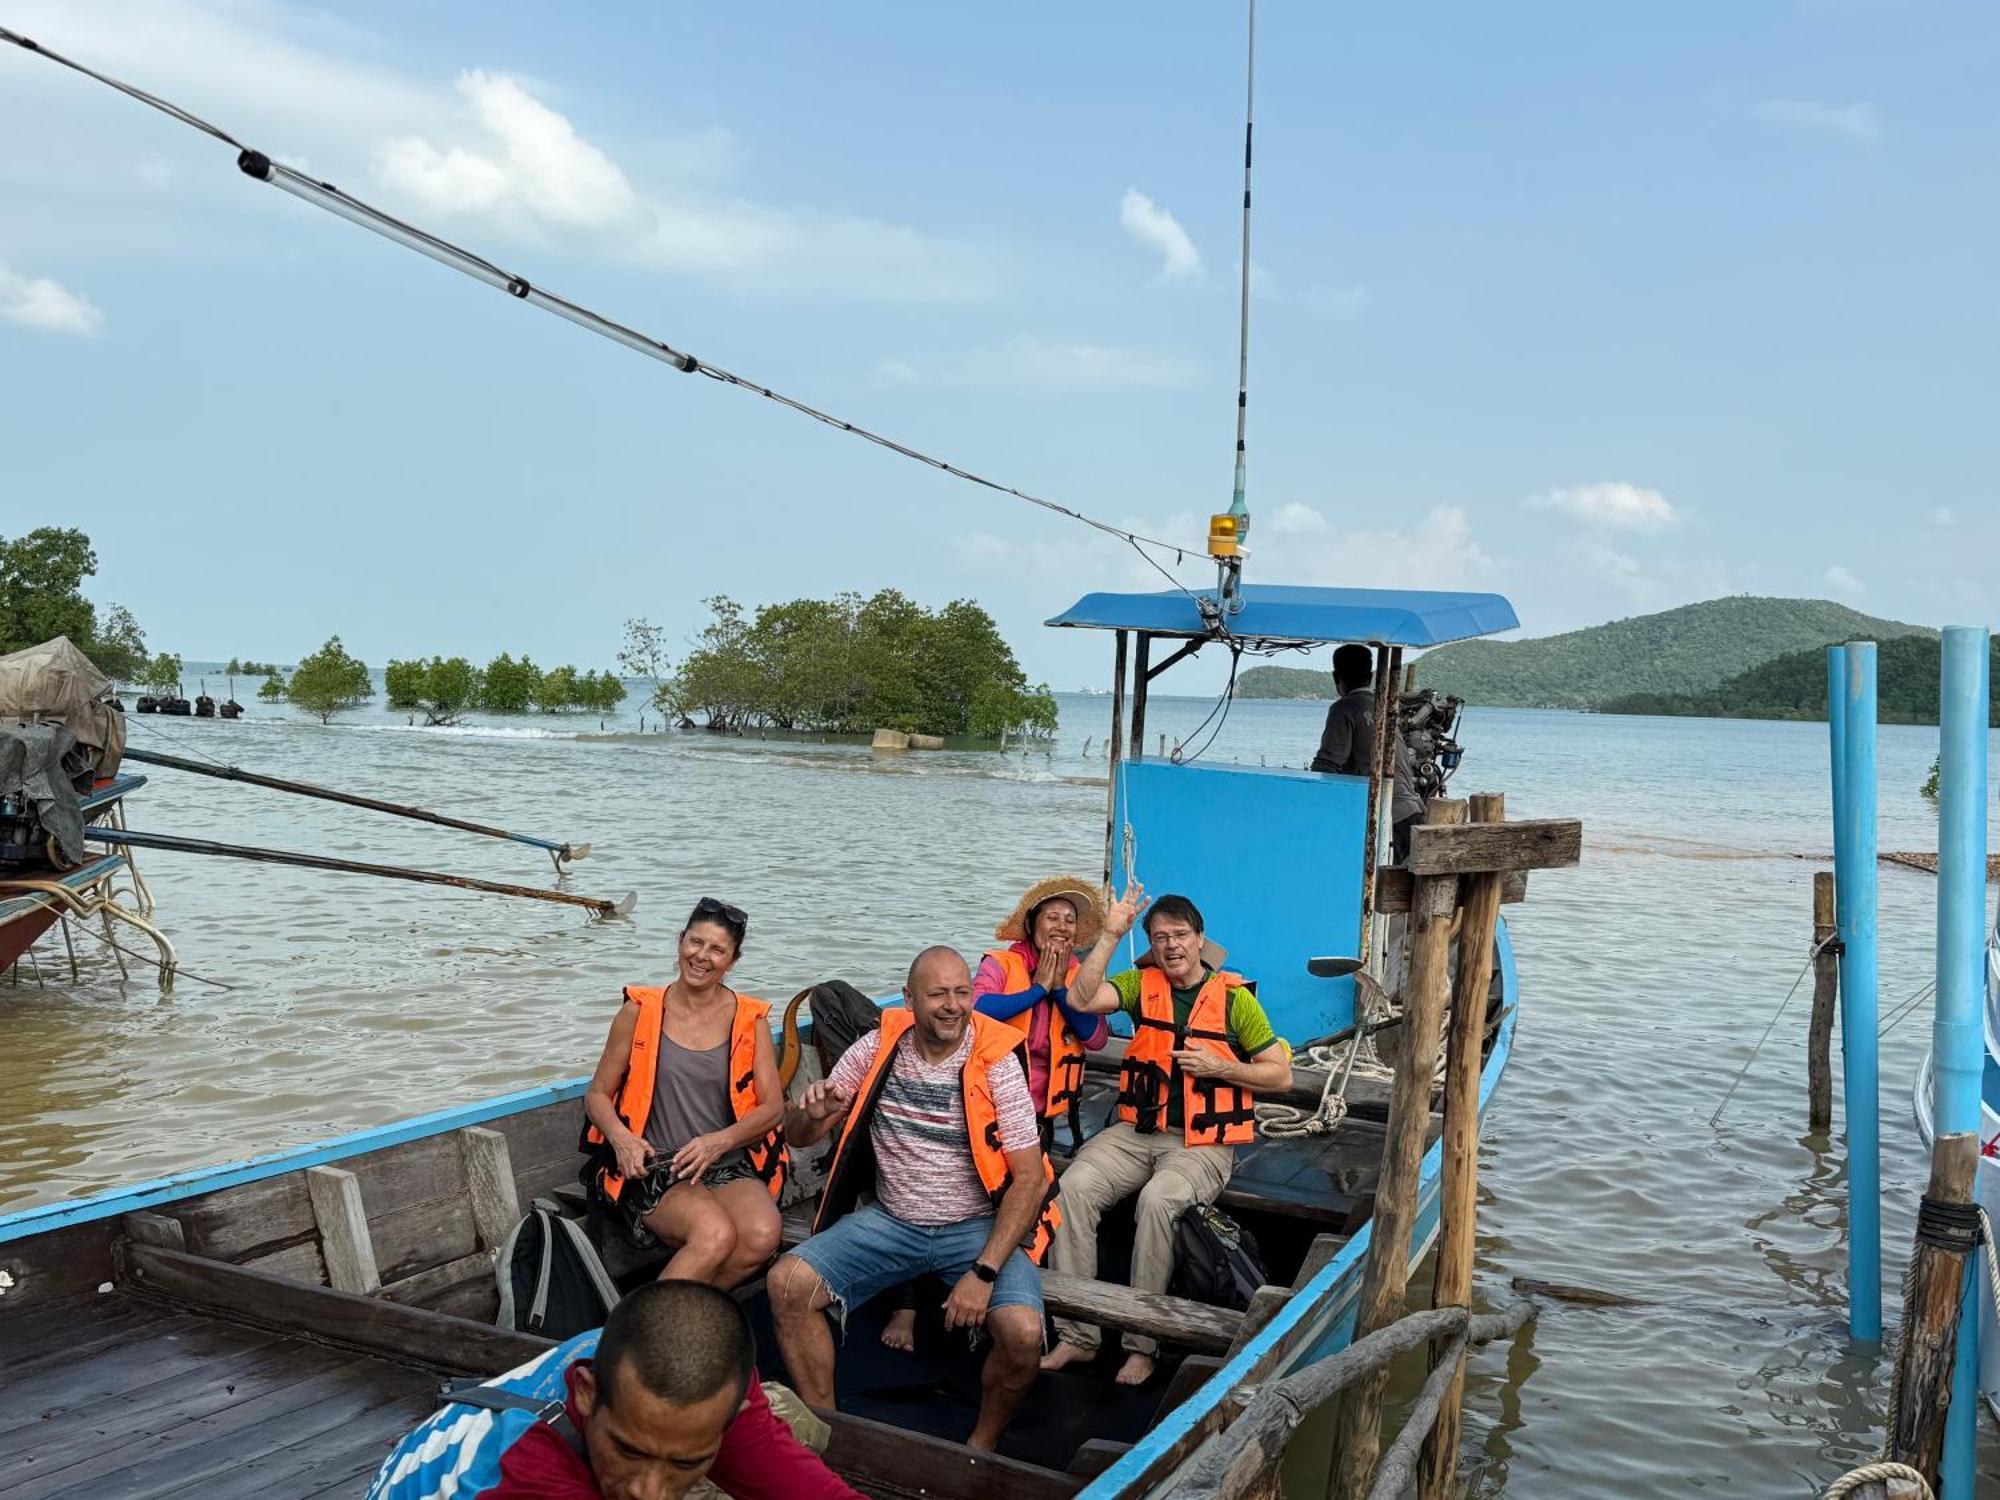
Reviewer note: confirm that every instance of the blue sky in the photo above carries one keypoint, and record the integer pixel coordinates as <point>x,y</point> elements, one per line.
<point>1604,307</point>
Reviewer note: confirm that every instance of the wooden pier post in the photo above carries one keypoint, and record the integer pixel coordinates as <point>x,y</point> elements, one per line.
<point>1385,1278</point>
<point>1947,1233</point>
<point>1826,994</point>
<point>1458,1197</point>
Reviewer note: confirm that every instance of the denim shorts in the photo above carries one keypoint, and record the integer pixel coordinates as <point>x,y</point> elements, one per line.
<point>872,1250</point>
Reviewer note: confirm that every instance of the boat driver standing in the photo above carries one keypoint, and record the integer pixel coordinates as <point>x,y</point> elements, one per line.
<point>1201,1050</point>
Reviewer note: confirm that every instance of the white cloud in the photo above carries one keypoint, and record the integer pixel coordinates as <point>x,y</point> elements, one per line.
<point>1943,516</point>
<point>1038,366</point>
<point>1297,543</point>
<point>1844,584</point>
<point>1341,303</point>
<point>533,163</point>
<point>1152,225</point>
<point>37,302</point>
<point>492,159</point>
<point>1858,123</point>
<point>1613,506</point>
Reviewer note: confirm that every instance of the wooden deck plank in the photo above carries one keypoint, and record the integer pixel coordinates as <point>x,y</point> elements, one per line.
<point>85,1338</point>
<point>124,1374</point>
<point>365,1407</point>
<point>77,1454</point>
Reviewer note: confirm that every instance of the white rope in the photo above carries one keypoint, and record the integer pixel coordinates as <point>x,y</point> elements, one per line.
<point>1855,1480</point>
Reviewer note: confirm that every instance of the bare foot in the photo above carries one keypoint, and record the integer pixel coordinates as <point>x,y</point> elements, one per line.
<point>1065,1354</point>
<point>900,1332</point>
<point>1137,1369</point>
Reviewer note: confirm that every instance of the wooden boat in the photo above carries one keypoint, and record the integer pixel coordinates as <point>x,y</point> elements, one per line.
<point>272,1326</point>
<point>106,888</point>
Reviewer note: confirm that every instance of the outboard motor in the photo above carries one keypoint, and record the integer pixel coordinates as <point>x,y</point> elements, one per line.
<point>1429,721</point>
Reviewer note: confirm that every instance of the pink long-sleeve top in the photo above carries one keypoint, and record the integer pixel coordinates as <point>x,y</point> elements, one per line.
<point>990,981</point>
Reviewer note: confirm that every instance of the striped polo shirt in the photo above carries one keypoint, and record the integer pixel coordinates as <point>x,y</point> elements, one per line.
<point>924,1169</point>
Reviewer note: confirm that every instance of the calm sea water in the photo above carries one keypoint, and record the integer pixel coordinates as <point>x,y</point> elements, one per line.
<point>1647,976</point>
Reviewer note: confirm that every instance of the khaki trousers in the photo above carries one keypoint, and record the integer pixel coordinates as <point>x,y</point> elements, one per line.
<point>1167,1174</point>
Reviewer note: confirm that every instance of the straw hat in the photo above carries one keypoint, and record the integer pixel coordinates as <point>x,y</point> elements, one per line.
<point>1081,894</point>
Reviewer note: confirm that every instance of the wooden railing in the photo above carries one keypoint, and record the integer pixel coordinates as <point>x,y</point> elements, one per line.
<point>1244,1461</point>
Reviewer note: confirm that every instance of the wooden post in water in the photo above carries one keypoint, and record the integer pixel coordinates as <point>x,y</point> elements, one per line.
<point>1385,1278</point>
<point>1381,762</point>
<point>1458,1196</point>
<point>1947,1233</point>
<point>1826,993</point>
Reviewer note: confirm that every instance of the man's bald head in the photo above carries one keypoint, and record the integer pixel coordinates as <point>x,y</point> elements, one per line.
<point>938,953</point>
<point>939,994</point>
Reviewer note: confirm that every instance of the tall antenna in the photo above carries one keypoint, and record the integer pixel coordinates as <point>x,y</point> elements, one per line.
<point>1227,532</point>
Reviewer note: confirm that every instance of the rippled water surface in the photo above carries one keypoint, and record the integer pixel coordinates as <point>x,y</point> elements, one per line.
<point>1646,978</point>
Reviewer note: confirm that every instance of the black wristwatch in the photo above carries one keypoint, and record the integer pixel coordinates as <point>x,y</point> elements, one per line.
<point>985,1272</point>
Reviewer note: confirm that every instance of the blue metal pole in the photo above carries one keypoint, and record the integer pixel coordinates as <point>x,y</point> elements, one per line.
<point>1958,1040</point>
<point>1860,1071</point>
<point>1836,738</point>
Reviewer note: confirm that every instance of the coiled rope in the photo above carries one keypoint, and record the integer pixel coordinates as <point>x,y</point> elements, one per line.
<point>1856,1479</point>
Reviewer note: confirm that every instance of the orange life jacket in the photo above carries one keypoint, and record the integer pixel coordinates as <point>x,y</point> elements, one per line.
<point>851,1168</point>
<point>1214,1112</point>
<point>768,1156</point>
<point>1065,1049</point>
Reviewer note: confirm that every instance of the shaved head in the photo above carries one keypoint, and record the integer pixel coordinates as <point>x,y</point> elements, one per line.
<point>939,994</point>
<point>939,953</point>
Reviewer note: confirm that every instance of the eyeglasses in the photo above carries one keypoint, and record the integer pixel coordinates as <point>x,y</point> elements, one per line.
<point>708,906</point>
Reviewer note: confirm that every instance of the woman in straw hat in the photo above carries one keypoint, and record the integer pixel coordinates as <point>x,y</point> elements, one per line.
<point>1026,984</point>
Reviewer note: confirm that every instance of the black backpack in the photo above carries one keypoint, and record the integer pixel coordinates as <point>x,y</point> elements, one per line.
<point>551,1281</point>
<point>1216,1260</point>
<point>841,1016</point>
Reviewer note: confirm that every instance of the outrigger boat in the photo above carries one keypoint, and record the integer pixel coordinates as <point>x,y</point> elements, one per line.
<point>272,1326</point>
<point>62,738</point>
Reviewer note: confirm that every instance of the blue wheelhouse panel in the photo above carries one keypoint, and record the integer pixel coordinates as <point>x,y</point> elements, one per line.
<point>1272,858</point>
<point>1287,612</point>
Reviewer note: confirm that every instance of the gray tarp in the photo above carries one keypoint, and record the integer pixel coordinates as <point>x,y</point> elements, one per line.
<point>55,683</point>
<point>31,767</point>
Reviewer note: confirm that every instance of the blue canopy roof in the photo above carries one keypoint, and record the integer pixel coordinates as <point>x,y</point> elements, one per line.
<point>1286,612</point>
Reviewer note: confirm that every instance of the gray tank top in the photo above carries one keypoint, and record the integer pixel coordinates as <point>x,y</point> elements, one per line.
<point>690,1097</point>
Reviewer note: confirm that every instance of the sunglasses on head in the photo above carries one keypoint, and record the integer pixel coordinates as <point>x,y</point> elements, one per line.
<point>708,906</point>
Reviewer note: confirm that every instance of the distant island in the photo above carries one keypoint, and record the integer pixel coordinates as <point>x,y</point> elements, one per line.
<point>1692,660</point>
<point>1794,687</point>
<point>1284,682</point>
<point>1679,651</point>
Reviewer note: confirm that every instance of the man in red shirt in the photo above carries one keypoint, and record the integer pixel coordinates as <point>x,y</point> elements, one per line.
<point>671,1397</point>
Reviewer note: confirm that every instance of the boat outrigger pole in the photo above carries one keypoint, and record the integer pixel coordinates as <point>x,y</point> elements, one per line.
<point>99,833</point>
<point>560,853</point>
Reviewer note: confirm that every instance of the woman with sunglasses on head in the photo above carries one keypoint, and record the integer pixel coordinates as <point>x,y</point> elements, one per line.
<point>684,1112</point>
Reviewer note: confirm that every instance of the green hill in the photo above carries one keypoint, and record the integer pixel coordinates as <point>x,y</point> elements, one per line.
<point>1680,651</point>
<point>1284,682</point>
<point>1794,687</point>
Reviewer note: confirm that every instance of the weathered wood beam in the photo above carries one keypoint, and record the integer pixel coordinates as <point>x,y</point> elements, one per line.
<point>345,1318</point>
<point>1537,844</point>
<point>1265,1304</point>
<point>155,1229</point>
<point>1936,1283</point>
<point>343,1230</point>
<point>1385,1275</point>
<point>425,1287</point>
<point>900,1462</point>
<point>1458,1191</point>
<point>1175,1320</point>
<point>489,1184</point>
<point>1826,992</point>
<point>1232,1460</point>
<point>1393,884</point>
